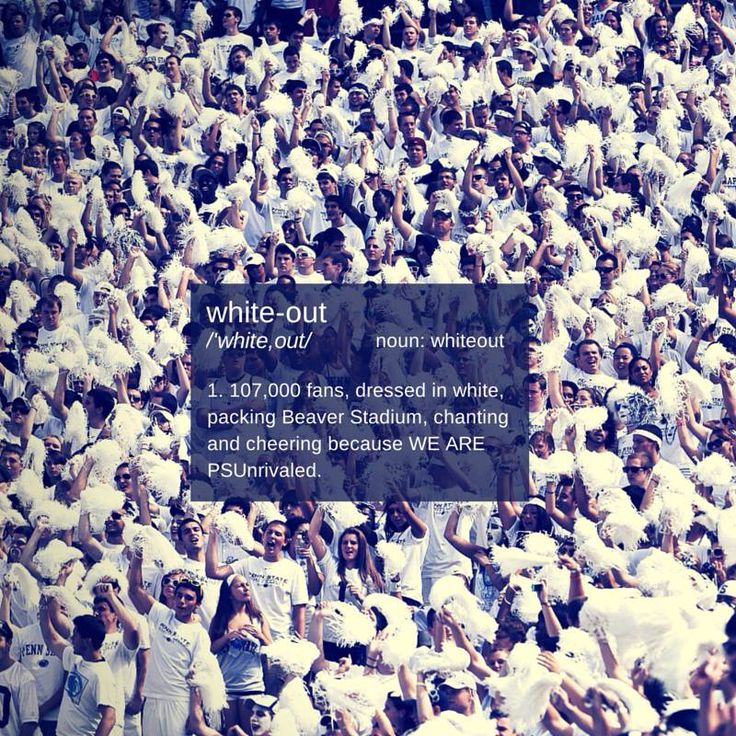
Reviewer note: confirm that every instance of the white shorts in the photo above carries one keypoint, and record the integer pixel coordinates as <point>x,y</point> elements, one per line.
<point>165,717</point>
<point>132,725</point>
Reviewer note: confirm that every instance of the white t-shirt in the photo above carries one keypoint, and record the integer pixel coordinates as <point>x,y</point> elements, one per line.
<point>121,661</point>
<point>18,700</point>
<point>277,587</point>
<point>441,557</point>
<point>414,551</point>
<point>89,685</point>
<point>175,647</point>
<point>29,649</point>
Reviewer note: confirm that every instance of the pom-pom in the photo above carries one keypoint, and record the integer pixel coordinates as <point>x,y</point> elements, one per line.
<point>351,17</point>
<point>163,477</point>
<point>200,18</point>
<point>29,488</point>
<point>715,470</point>
<point>591,417</point>
<point>450,659</point>
<point>235,529</point>
<point>59,516</point>
<point>99,502</point>
<point>53,557</point>
<point>349,626</point>
<point>353,174</point>
<point>207,677</point>
<point>292,657</point>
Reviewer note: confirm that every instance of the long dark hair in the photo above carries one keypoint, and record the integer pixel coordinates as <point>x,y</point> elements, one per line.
<point>225,611</point>
<point>366,569</point>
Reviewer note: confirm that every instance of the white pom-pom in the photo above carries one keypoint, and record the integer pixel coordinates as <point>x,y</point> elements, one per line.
<point>591,417</point>
<point>99,502</point>
<point>207,677</point>
<point>138,189</point>
<point>353,174</point>
<point>163,477</point>
<point>59,516</point>
<point>670,295</point>
<point>349,626</point>
<point>29,488</point>
<point>155,548</point>
<point>715,470</point>
<point>169,343</point>
<point>235,529</point>
<point>53,557</point>
<point>351,17</point>
<point>105,571</point>
<point>200,18</point>
<point>450,659</point>
<point>292,657</point>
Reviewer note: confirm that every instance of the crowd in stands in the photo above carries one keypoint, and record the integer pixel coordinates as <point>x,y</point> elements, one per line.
<point>582,151</point>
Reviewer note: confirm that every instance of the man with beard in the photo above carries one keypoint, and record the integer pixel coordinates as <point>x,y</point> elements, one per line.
<point>223,46</point>
<point>510,194</point>
<point>239,54</point>
<point>278,583</point>
<point>112,547</point>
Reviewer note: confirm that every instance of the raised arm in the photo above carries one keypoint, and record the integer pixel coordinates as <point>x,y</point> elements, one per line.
<point>53,640</point>
<point>212,566</point>
<point>315,538</point>
<point>142,601</point>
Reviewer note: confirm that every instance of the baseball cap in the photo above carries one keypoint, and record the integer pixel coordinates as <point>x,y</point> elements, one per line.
<point>122,111</point>
<point>306,251</point>
<point>442,212</point>
<point>255,259</point>
<point>459,681</point>
<point>416,142</point>
<point>548,152</point>
<point>553,271</point>
<point>521,33</point>
<point>523,124</point>
<point>104,287</point>
<point>358,87</point>
<point>526,46</point>
<point>264,701</point>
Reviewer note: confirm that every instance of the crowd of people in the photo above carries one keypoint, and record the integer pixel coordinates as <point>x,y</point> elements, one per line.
<point>582,152</point>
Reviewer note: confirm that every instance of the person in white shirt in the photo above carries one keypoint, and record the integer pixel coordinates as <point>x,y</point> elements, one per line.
<point>278,583</point>
<point>177,639</point>
<point>305,273</point>
<point>18,699</point>
<point>91,701</point>
<point>406,529</point>
<point>30,650</point>
<point>122,640</point>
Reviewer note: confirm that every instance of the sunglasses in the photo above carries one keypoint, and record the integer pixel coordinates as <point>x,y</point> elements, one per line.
<point>135,399</point>
<point>122,476</point>
<point>604,269</point>
<point>116,516</point>
<point>478,177</point>
<point>29,340</point>
<point>634,468</point>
